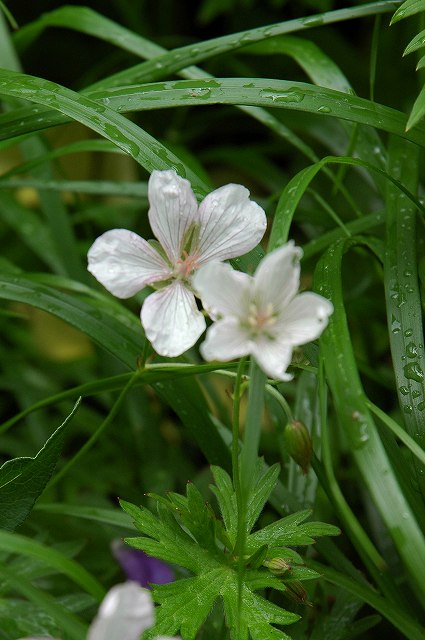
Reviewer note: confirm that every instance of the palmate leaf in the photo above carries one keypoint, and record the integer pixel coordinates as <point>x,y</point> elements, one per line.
<point>408,8</point>
<point>186,531</point>
<point>418,109</point>
<point>191,599</point>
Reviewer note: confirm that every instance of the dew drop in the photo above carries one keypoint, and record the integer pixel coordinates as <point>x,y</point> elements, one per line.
<point>411,350</point>
<point>408,408</point>
<point>286,96</point>
<point>324,109</point>
<point>313,21</point>
<point>413,371</point>
<point>200,92</point>
<point>404,390</point>
<point>248,37</point>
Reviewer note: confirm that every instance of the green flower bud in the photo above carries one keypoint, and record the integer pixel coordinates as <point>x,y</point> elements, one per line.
<point>277,566</point>
<point>297,593</point>
<point>298,443</point>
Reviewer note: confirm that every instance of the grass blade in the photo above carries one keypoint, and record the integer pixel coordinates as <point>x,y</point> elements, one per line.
<point>72,626</point>
<point>403,300</point>
<point>357,422</point>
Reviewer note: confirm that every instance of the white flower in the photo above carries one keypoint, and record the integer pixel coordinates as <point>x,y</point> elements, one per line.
<point>126,611</point>
<point>225,225</point>
<point>124,614</point>
<point>262,316</point>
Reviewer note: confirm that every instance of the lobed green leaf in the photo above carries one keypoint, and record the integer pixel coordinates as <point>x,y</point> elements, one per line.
<point>408,8</point>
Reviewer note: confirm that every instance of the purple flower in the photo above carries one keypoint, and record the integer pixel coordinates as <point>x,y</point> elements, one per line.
<point>140,567</point>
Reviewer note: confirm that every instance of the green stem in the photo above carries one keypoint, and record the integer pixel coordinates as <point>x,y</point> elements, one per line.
<point>240,535</point>
<point>281,401</point>
<point>243,474</point>
<point>235,432</point>
<point>366,549</point>
<point>248,459</point>
<point>96,435</point>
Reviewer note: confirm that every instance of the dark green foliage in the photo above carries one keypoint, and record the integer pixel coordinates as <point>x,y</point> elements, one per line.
<point>187,532</point>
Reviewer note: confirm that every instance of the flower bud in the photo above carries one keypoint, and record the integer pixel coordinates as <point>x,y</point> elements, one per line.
<point>277,565</point>
<point>296,592</point>
<point>298,443</point>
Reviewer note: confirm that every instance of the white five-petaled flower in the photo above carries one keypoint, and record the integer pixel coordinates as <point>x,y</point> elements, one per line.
<point>261,315</point>
<point>225,225</point>
<point>126,611</point>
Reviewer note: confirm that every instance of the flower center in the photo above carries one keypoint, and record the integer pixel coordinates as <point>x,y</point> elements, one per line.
<point>186,265</point>
<point>260,320</point>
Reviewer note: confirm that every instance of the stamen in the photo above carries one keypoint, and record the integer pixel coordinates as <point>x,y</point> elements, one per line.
<point>260,319</point>
<point>186,265</point>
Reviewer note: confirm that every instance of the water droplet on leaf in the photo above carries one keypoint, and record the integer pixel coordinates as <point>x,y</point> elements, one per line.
<point>413,371</point>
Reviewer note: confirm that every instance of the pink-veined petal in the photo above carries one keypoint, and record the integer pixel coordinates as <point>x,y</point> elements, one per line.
<point>173,209</point>
<point>223,290</point>
<point>304,319</point>
<point>273,357</point>
<point>277,277</point>
<point>124,614</point>
<point>171,320</point>
<point>125,263</point>
<point>230,224</point>
<point>226,340</point>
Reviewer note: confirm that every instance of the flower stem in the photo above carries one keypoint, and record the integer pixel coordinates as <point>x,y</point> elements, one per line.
<point>240,536</point>
<point>243,472</point>
<point>96,435</point>
<point>235,431</point>
<point>249,453</point>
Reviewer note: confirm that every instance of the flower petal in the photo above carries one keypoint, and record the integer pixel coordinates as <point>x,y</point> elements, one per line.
<point>141,568</point>
<point>125,263</point>
<point>173,209</point>
<point>230,224</point>
<point>226,340</point>
<point>273,357</point>
<point>124,614</point>
<point>171,319</point>
<point>223,290</point>
<point>277,277</point>
<point>304,319</point>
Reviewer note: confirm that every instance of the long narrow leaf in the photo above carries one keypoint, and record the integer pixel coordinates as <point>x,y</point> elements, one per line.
<point>147,151</point>
<point>357,422</point>
<point>277,94</point>
<point>403,299</point>
<point>16,543</point>
<point>72,626</point>
<point>22,480</point>
<point>108,330</point>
